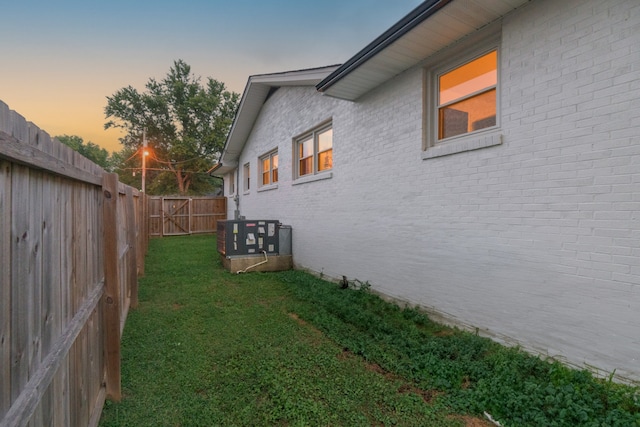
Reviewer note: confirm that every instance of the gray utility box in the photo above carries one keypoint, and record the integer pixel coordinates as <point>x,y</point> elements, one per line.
<point>248,237</point>
<point>285,240</point>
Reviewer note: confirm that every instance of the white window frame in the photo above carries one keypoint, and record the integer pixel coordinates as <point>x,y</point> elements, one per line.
<point>246,177</point>
<point>232,183</point>
<point>313,134</point>
<point>486,137</point>
<point>271,184</point>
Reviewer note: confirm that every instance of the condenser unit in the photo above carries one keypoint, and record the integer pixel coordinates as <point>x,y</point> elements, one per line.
<point>248,237</point>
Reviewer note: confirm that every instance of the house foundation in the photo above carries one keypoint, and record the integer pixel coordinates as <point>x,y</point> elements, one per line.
<point>247,264</point>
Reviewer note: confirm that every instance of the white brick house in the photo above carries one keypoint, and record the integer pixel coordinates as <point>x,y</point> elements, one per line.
<point>511,205</point>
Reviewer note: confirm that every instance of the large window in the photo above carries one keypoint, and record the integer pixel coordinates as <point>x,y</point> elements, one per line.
<point>461,97</point>
<point>466,97</point>
<point>314,151</point>
<point>269,168</point>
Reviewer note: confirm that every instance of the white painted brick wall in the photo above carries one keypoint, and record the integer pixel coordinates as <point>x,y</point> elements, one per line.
<point>535,241</point>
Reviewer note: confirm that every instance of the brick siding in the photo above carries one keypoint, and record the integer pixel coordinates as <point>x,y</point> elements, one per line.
<point>535,241</point>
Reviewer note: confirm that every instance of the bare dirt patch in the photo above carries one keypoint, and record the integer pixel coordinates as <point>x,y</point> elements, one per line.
<point>317,333</point>
<point>426,395</point>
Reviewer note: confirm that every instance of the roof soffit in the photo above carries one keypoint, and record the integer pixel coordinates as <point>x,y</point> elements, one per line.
<point>450,23</point>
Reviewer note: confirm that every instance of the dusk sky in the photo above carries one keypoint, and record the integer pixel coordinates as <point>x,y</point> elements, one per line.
<point>60,60</point>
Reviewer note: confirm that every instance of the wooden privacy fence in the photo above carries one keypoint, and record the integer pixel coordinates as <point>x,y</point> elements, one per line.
<point>172,216</point>
<point>72,242</point>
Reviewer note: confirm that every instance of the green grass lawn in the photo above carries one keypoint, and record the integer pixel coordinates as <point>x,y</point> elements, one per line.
<point>206,347</point>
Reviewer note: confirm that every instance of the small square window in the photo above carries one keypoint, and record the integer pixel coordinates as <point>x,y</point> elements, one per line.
<point>314,151</point>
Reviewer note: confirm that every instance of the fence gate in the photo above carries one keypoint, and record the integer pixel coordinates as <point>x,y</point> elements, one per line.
<point>175,216</point>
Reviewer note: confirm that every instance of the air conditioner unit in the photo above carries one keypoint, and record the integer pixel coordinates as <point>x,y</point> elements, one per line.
<point>248,237</point>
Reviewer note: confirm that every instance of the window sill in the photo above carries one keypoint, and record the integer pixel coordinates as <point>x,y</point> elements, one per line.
<point>268,188</point>
<point>461,145</point>
<point>312,178</point>
<point>246,193</point>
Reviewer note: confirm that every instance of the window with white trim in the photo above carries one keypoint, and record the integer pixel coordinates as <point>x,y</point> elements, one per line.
<point>269,168</point>
<point>461,102</point>
<point>313,151</point>
<point>232,182</point>
<point>247,177</point>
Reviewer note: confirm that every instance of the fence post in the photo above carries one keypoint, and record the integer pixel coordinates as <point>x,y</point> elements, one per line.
<point>162,217</point>
<point>111,295</point>
<point>143,231</point>
<point>132,243</point>
<point>146,220</point>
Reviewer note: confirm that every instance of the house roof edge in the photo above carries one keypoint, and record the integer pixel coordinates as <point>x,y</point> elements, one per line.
<point>406,24</point>
<point>255,94</point>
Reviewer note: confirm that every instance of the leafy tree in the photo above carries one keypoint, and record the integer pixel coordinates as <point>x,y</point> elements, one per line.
<point>186,124</point>
<point>127,164</point>
<point>91,151</point>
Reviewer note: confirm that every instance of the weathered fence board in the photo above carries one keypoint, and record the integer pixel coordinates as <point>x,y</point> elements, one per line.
<point>5,285</point>
<point>112,290</point>
<point>36,387</point>
<point>67,278</point>
<point>21,290</point>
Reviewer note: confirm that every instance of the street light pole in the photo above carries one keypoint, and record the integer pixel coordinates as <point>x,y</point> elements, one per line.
<point>144,160</point>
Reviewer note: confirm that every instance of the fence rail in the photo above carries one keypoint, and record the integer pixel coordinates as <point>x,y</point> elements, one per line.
<point>72,243</point>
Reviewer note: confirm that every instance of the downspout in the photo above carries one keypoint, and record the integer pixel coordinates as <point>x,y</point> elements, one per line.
<point>236,198</point>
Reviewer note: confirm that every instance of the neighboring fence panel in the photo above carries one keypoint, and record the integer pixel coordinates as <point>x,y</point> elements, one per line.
<point>172,216</point>
<point>155,216</point>
<point>53,319</point>
<point>206,212</point>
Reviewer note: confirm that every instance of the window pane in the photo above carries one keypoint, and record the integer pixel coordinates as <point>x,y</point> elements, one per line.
<point>476,75</point>
<point>325,160</point>
<point>475,113</point>
<point>305,148</point>
<point>325,140</point>
<point>274,167</point>
<point>306,166</point>
<point>266,171</point>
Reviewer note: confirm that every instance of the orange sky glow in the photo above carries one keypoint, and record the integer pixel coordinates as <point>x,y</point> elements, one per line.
<point>62,59</point>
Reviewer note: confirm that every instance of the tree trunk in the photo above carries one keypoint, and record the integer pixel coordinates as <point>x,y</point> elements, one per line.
<point>180,179</point>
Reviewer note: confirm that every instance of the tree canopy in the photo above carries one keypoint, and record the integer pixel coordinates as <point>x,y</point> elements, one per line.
<point>91,151</point>
<point>185,122</point>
